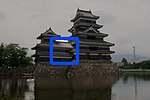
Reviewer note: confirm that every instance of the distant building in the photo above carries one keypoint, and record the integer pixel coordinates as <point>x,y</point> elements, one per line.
<point>92,44</point>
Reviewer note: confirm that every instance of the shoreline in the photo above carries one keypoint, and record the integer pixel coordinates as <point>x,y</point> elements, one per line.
<point>135,70</point>
<point>16,72</point>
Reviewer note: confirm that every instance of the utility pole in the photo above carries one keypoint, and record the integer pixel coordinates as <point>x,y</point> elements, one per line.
<point>134,55</point>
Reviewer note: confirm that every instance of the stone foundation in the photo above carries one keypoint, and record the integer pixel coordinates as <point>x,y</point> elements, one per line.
<point>83,69</point>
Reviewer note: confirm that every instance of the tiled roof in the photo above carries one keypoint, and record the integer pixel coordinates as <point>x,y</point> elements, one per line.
<point>48,33</point>
<point>84,13</point>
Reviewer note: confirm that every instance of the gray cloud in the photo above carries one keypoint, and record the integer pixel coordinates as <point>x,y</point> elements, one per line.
<point>2,15</point>
<point>106,18</point>
<point>126,21</point>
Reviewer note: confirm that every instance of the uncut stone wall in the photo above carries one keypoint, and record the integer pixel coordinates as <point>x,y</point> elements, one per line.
<point>83,69</point>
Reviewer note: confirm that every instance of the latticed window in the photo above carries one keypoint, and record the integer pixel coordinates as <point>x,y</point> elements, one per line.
<point>93,48</point>
<point>104,49</point>
<point>91,37</point>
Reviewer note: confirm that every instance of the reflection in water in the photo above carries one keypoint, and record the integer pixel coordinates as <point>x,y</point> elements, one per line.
<point>74,88</point>
<point>133,86</point>
<point>56,88</point>
<point>15,89</point>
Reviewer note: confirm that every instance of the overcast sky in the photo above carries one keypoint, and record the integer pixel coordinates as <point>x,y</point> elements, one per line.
<point>126,21</point>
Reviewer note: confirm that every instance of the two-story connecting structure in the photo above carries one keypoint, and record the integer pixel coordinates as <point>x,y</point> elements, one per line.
<point>62,50</point>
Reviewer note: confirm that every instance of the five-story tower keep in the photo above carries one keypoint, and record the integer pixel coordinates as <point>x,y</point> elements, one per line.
<point>92,44</point>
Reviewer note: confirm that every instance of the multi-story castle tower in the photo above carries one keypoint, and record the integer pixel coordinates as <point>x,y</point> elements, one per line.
<point>92,44</point>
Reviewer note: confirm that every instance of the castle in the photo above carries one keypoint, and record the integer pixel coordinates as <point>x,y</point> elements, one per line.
<point>92,46</point>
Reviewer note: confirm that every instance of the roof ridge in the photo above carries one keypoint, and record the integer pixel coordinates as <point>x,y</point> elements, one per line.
<point>50,31</point>
<point>84,10</point>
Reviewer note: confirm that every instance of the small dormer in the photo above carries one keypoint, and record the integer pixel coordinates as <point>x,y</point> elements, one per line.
<point>91,30</point>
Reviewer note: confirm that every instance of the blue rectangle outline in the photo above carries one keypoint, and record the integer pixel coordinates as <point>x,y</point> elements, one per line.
<point>64,63</point>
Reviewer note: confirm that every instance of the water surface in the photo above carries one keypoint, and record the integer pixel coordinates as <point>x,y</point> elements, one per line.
<point>132,86</point>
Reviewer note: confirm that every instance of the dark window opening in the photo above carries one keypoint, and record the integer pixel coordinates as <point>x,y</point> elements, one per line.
<point>42,59</point>
<point>88,21</point>
<point>104,49</point>
<point>83,48</point>
<point>43,49</point>
<point>91,37</point>
<point>94,57</point>
<point>62,59</point>
<point>93,48</point>
<point>84,57</point>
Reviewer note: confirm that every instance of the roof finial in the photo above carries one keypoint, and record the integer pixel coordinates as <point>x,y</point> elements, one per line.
<point>78,9</point>
<point>50,28</point>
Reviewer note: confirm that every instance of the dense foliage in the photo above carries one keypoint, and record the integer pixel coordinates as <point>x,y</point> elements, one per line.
<point>13,56</point>
<point>140,65</point>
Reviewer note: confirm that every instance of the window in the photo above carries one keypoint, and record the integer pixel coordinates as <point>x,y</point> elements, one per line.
<point>91,37</point>
<point>104,49</point>
<point>88,21</point>
<point>93,48</point>
<point>83,47</point>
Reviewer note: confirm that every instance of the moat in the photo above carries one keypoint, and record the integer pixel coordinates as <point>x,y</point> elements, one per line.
<point>132,86</point>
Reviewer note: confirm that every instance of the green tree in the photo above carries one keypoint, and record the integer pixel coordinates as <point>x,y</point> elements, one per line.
<point>1,54</point>
<point>14,56</point>
<point>144,64</point>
